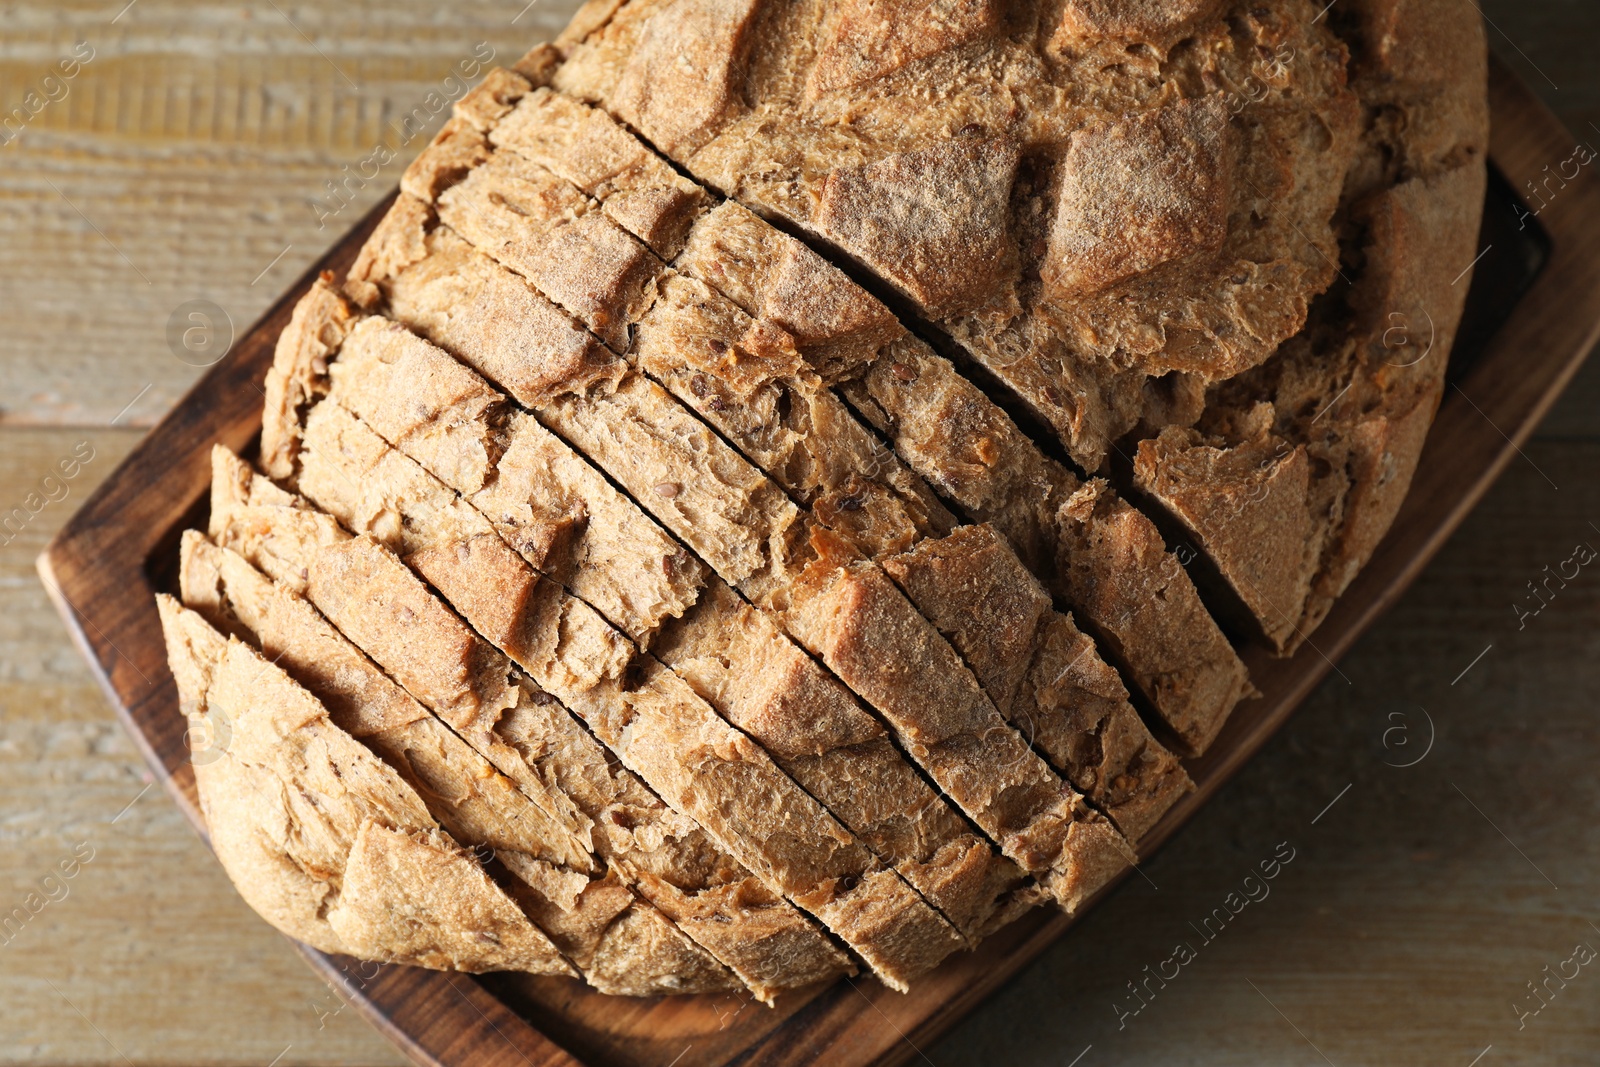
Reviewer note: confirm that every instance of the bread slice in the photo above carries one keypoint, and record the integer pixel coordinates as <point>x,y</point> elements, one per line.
<point>621,945</point>
<point>298,375</point>
<point>436,278</point>
<point>838,327</point>
<point>1246,505</point>
<point>458,147</point>
<point>635,188</point>
<point>547,231</point>
<point>462,143</point>
<point>637,708</point>
<point>454,423</point>
<point>323,839</point>
<point>296,545</point>
<point>1042,673</point>
<point>1297,469</point>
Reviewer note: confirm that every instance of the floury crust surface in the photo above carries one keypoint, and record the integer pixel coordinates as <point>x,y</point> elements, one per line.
<point>618,512</point>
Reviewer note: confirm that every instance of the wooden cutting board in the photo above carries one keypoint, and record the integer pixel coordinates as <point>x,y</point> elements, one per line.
<point>1533,313</point>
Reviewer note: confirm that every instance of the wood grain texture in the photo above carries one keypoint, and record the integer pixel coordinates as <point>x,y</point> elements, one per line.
<point>191,151</point>
<point>1381,942</point>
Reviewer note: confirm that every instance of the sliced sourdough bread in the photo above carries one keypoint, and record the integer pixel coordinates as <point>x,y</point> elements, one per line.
<point>1034,826</point>
<point>736,520</point>
<point>643,713</point>
<point>527,734</point>
<point>539,474</point>
<point>322,838</point>
<point>701,564</point>
<point>621,945</point>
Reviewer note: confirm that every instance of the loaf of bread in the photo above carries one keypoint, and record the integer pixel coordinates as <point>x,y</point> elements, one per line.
<point>732,526</point>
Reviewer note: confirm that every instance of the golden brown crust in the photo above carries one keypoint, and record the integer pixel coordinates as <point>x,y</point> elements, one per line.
<point>458,147</point>
<point>835,324</point>
<point>1247,506</point>
<point>299,373</point>
<point>685,69</point>
<point>931,221</point>
<point>1156,22</point>
<point>869,39</point>
<point>945,152</point>
<point>1139,191</point>
<point>635,188</point>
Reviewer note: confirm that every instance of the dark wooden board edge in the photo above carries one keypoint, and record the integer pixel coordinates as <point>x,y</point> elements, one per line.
<point>98,562</point>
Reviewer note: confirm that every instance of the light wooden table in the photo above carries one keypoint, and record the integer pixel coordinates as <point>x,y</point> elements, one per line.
<point>182,164</point>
